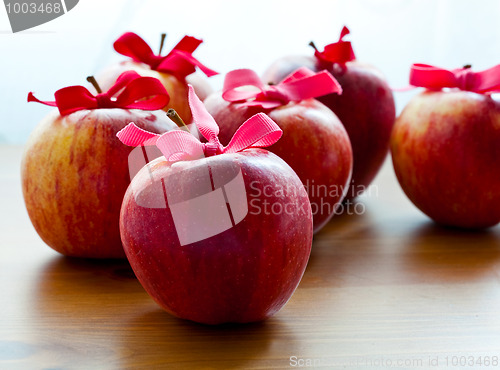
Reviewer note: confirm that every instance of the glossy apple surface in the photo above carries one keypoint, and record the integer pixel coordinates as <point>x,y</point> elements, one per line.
<point>74,175</point>
<point>314,144</point>
<point>446,154</point>
<point>365,108</point>
<point>243,274</point>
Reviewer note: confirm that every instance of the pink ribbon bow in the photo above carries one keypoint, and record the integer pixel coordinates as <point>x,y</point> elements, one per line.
<point>179,61</point>
<point>132,92</point>
<point>483,82</point>
<point>338,52</point>
<point>176,145</point>
<point>301,84</point>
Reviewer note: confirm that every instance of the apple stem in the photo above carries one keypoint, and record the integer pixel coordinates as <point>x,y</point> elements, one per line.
<point>94,83</point>
<point>162,41</point>
<point>174,116</point>
<point>313,45</point>
<point>467,66</point>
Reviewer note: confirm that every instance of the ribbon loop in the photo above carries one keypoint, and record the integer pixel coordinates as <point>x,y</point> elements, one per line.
<point>299,85</point>
<point>179,61</point>
<point>431,77</point>
<point>176,145</point>
<point>130,91</point>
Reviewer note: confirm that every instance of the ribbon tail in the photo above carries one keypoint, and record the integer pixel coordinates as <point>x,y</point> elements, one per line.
<point>183,64</point>
<point>203,120</point>
<point>258,131</point>
<point>345,31</point>
<point>132,135</point>
<point>32,98</point>
<point>188,44</point>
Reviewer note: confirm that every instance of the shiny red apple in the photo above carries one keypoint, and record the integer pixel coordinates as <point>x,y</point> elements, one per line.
<point>365,107</point>
<point>314,144</point>
<point>75,172</point>
<point>446,154</point>
<point>222,236</point>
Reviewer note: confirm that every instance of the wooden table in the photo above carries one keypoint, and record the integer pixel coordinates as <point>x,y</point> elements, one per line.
<point>383,289</point>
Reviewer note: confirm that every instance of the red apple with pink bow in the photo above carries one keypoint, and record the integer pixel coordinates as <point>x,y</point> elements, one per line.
<point>175,70</point>
<point>195,229</point>
<point>446,146</point>
<point>314,142</point>
<point>365,107</point>
<point>75,171</point>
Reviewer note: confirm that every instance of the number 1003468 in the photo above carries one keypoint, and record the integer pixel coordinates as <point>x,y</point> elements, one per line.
<point>34,8</point>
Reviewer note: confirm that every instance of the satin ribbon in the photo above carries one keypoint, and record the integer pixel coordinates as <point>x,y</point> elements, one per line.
<point>301,84</point>
<point>338,52</point>
<point>179,62</point>
<point>176,145</point>
<point>132,92</point>
<point>483,82</point>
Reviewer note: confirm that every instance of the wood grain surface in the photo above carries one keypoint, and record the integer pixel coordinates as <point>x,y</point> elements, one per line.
<point>383,289</point>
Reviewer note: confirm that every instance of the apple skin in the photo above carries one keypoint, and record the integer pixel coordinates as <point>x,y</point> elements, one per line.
<point>366,109</point>
<point>74,175</point>
<point>446,153</point>
<point>244,274</point>
<point>176,88</point>
<point>314,144</point>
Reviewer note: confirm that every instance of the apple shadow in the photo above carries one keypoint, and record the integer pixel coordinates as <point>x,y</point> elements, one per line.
<point>65,282</point>
<point>155,338</point>
<point>97,314</point>
<point>452,255</point>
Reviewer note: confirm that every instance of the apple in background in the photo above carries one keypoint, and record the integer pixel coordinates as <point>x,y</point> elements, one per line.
<point>175,85</point>
<point>74,175</point>
<point>314,144</point>
<point>446,153</point>
<point>365,107</point>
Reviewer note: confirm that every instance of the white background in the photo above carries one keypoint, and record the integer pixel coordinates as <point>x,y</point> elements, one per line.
<point>390,34</point>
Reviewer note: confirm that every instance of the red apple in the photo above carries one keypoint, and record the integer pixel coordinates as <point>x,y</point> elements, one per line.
<point>446,154</point>
<point>365,107</point>
<point>74,175</point>
<point>149,65</point>
<point>244,274</point>
<point>221,238</point>
<point>314,144</point>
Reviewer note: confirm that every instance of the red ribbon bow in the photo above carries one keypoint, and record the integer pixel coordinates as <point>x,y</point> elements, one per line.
<point>135,92</point>
<point>258,131</point>
<point>483,82</point>
<point>179,62</point>
<point>299,85</point>
<point>338,52</point>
